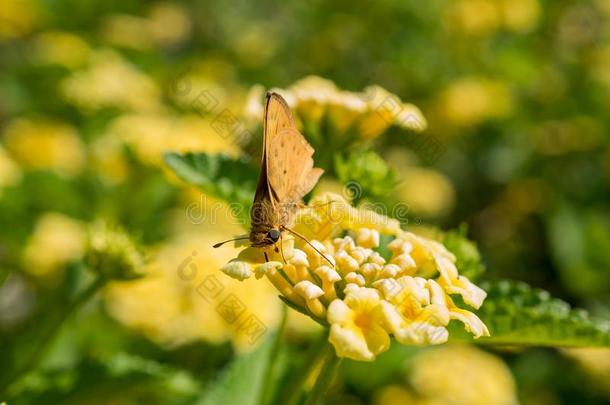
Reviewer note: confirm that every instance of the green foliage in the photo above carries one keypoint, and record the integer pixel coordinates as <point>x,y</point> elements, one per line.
<point>242,381</point>
<point>517,314</point>
<point>112,254</point>
<point>369,173</point>
<point>468,257</point>
<point>579,239</point>
<point>523,124</point>
<point>232,180</point>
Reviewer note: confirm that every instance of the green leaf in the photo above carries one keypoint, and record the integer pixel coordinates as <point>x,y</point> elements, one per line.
<point>468,261</point>
<point>232,180</point>
<point>517,314</point>
<point>242,381</point>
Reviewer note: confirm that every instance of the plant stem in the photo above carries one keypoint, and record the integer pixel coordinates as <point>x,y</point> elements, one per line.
<point>270,372</point>
<point>295,389</point>
<point>38,353</point>
<point>329,369</point>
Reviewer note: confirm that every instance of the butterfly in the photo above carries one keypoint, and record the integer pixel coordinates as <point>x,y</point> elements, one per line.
<point>287,175</point>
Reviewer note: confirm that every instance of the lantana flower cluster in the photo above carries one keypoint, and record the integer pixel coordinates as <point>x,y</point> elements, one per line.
<point>366,279</point>
<point>369,113</point>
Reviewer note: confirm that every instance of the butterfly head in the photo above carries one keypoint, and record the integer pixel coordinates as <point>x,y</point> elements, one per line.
<point>265,238</point>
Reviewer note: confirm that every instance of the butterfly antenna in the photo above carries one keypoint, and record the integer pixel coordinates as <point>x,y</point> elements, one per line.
<point>295,233</point>
<point>230,240</point>
<point>320,205</point>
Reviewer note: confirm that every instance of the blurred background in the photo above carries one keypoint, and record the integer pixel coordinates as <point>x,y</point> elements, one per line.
<point>92,93</point>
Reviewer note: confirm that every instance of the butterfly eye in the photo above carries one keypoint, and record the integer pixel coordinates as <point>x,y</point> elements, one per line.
<point>274,235</point>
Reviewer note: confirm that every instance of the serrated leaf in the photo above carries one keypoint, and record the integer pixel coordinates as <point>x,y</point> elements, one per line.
<point>517,314</point>
<point>242,381</point>
<point>233,180</point>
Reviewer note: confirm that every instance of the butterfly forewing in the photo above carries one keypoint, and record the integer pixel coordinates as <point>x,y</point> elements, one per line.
<point>289,165</point>
<point>287,171</point>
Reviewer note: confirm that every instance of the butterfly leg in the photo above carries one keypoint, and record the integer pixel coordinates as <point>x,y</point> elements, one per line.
<point>266,257</point>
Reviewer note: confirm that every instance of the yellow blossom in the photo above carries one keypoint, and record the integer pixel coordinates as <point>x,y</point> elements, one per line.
<point>41,144</point>
<point>170,23</point>
<point>393,395</point>
<point>461,375</point>
<point>473,17</point>
<point>520,15</point>
<point>62,48</point>
<point>10,172</point>
<point>150,135</point>
<point>182,298</point>
<point>472,100</point>
<point>110,81</point>
<point>369,113</point>
<point>56,241</point>
<point>356,329</point>
<point>166,24</point>
<point>426,191</point>
<point>18,18</point>
<point>341,280</point>
<point>482,18</point>
<point>596,363</point>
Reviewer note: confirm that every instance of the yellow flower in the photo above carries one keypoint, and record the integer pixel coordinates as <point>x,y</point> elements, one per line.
<point>110,81</point>
<point>356,325</point>
<point>152,135</point>
<point>461,375</point>
<point>167,24</point>
<point>340,279</point>
<point>182,299</point>
<point>9,171</point>
<point>482,18</point>
<point>603,6</point>
<point>170,23</point>
<point>62,48</point>
<point>596,363</point>
<point>599,66</point>
<point>472,100</point>
<point>369,113</point>
<point>520,15</point>
<point>18,18</point>
<point>426,191</point>
<point>473,17</point>
<point>393,395</point>
<point>40,144</point>
<point>56,241</point>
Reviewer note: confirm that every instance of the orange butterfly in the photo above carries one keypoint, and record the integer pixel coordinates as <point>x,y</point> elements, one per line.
<point>287,175</point>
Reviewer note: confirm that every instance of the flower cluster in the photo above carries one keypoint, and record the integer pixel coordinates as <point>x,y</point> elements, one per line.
<point>370,113</point>
<point>363,289</point>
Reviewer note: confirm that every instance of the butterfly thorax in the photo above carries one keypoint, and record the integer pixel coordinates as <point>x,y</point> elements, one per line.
<point>268,220</point>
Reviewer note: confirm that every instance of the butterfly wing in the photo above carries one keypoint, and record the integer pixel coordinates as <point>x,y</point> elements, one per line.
<point>290,166</point>
<point>289,161</point>
<point>277,117</point>
<point>287,171</point>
